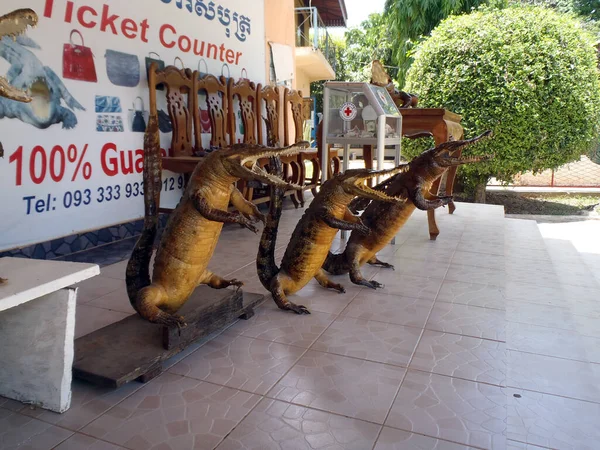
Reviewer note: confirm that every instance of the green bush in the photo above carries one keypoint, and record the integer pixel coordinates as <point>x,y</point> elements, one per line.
<point>527,73</point>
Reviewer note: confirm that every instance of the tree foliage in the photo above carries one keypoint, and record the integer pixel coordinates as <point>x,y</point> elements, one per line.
<point>412,20</point>
<point>528,73</point>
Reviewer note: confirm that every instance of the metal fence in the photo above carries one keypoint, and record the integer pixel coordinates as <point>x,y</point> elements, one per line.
<point>583,173</point>
<point>312,32</point>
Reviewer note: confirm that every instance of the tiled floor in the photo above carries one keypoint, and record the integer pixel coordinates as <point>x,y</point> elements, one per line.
<point>487,338</point>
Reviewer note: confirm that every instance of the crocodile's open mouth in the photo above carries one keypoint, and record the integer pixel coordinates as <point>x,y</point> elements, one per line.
<point>250,170</point>
<point>445,151</point>
<point>360,188</point>
<point>12,25</point>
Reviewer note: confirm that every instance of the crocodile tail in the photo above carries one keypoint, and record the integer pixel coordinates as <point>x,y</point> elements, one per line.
<point>265,261</point>
<point>336,264</point>
<point>138,267</point>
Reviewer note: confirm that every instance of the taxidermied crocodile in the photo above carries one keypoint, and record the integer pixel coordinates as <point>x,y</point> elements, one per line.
<point>314,233</point>
<point>191,234</point>
<point>12,25</point>
<point>385,220</point>
<point>380,77</point>
<point>42,84</point>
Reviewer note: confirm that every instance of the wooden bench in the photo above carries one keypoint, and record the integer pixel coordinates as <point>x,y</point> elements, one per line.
<point>37,329</point>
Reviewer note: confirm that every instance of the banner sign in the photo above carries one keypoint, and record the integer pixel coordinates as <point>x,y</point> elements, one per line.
<point>73,157</point>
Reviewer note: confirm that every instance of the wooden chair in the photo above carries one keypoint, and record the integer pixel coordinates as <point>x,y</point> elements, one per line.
<point>179,85</point>
<point>244,91</point>
<point>215,90</point>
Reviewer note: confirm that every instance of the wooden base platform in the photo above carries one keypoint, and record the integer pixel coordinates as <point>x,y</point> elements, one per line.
<point>134,349</point>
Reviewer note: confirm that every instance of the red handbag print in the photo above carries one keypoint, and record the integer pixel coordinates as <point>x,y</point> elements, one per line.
<point>205,121</point>
<point>78,61</point>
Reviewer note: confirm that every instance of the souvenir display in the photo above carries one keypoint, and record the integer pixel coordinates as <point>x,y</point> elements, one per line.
<point>191,234</point>
<point>160,65</point>
<point>108,104</point>
<point>17,21</point>
<point>138,119</point>
<point>313,235</point>
<point>414,184</point>
<point>123,69</point>
<point>78,61</point>
<point>109,123</point>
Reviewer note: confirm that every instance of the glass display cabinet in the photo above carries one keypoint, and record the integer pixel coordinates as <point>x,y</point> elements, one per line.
<point>359,114</point>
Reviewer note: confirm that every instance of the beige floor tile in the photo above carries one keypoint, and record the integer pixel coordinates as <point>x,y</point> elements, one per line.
<point>116,271</point>
<point>561,317</point>
<point>554,422</point>
<point>417,267</point>
<point>370,340</point>
<point>472,294</point>
<point>516,445</point>
<point>239,362</point>
<point>407,285</point>
<point>22,432</point>
<point>480,247</point>
<point>371,305</point>
<point>82,442</point>
<point>481,275</point>
<point>89,319</point>
<point>468,320</point>
<point>578,380</point>
<point>174,412</point>
<point>532,293</point>
<point>88,402</point>
<point>95,287</point>
<point>478,259</point>
<point>275,425</point>
<point>273,324</point>
<point>338,384</point>
<point>10,404</point>
<point>393,439</point>
<point>448,408</point>
<point>426,251</point>
<point>462,357</point>
<point>553,342</point>
<point>318,299</point>
<point>114,301</point>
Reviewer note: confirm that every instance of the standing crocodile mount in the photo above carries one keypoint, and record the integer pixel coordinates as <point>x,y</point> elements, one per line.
<point>314,233</point>
<point>379,77</point>
<point>193,229</point>
<point>12,25</point>
<point>384,221</point>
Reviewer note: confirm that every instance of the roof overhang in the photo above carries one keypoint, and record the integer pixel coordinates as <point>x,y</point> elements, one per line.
<point>333,12</point>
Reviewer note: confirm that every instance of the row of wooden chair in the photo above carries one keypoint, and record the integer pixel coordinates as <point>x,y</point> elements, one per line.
<point>183,88</point>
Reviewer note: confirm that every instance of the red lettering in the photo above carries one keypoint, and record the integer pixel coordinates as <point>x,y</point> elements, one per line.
<point>237,58</point>
<point>129,28</point>
<point>222,49</point>
<point>230,55</point>
<point>198,51</point>
<point>161,35</point>
<point>108,21</point>
<point>110,165</point>
<point>144,25</point>
<point>69,12</point>
<point>139,161</point>
<point>126,169</point>
<point>185,44</point>
<point>48,8</point>
<point>212,47</point>
<point>81,18</point>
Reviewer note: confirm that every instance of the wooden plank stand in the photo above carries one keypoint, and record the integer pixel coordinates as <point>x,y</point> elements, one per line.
<point>134,349</point>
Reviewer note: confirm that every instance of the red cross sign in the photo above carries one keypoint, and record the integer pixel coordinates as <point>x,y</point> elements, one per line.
<point>348,111</point>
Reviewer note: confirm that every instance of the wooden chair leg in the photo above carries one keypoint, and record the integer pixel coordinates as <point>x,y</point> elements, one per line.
<point>316,176</point>
<point>301,181</point>
<point>295,178</point>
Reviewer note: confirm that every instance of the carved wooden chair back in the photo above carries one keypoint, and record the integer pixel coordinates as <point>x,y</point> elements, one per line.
<point>270,95</point>
<point>244,91</point>
<point>179,84</point>
<point>292,105</point>
<point>215,90</point>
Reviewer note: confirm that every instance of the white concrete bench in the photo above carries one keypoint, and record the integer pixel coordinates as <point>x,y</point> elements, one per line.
<point>37,328</point>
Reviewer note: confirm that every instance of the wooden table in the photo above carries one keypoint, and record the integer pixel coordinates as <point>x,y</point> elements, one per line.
<point>444,126</point>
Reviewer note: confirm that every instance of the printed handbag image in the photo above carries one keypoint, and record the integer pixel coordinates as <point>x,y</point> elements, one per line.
<point>109,123</point>
<point>177,58</point>
<point>78,61</point>
<point>164,122</point>
<point>202,74</point>
<point>122,69</point>
<point>160,66</point>
<point>138,123</point>
<point>205,121</point>
<point>107,104</point>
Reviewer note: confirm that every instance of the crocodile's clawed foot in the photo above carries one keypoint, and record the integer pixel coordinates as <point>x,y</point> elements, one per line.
<point>385,265</point>
<point>371,284</point>
<point>171,321</point>
<point>298,309</point>
<point>235,282</point>
<point>338,287</point>
<point>261,217</point>
<point>446,199</point>
<point>363,229</point>
<point>246,223</point>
